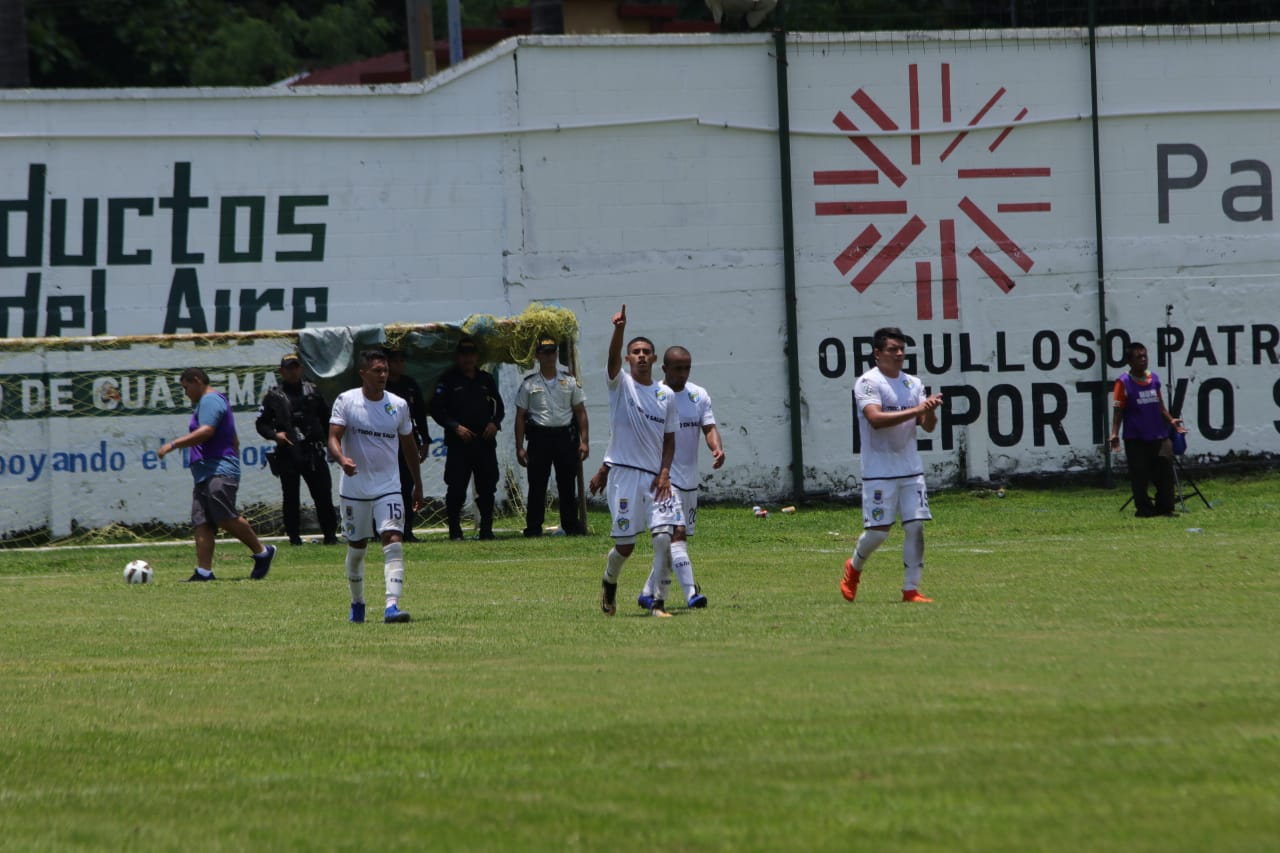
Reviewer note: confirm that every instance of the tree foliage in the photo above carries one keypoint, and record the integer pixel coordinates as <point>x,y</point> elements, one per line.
<point>89,43</point>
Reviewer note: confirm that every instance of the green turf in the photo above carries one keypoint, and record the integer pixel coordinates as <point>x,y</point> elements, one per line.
<point>1084,681</point>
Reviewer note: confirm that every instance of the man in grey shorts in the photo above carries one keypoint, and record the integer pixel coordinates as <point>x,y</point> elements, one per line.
<point>215,465</point>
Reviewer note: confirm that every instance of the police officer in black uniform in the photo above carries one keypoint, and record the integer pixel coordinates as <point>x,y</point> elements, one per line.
<point>469,408</point>
<point>295,416</point>
<point>403,385</point>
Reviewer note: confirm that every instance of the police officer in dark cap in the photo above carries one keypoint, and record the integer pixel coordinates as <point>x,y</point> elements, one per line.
<point>295,416</point>
<point>403,385</point>
<point>469,408</point>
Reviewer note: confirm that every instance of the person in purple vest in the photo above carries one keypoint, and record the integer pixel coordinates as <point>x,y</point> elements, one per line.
<point>215,465</point>
<point>1139,405</point>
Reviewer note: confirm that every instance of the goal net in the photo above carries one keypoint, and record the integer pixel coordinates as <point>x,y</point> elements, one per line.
<point>81,420</point>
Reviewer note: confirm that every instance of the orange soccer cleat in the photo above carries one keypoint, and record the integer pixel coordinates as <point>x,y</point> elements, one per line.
<point>849,585</point>
<point>914,595</point>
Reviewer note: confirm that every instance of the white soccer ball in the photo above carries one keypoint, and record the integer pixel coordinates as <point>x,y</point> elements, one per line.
<point>138,571</point>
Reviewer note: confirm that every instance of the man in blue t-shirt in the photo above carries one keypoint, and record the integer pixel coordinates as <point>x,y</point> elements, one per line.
<point>215,465</point>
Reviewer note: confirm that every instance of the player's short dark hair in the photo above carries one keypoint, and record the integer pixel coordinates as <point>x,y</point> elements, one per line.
<point>196,373</point>
<point>633,341</point>
<point>676,352</point>
<point>885,334</point>
<point>369,356</point>
<point>1132,348</point>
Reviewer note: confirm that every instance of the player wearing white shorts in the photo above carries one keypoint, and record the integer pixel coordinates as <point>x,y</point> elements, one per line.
<point>891,404</point>
<point>695,421</point>
<point>368,428</point>
<point>642,422</point>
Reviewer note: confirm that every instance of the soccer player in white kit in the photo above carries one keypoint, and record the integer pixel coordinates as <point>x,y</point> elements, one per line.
<point>642,423</point>
<point>696,420</point>
<point>367,428</point>
<point>891,404</point>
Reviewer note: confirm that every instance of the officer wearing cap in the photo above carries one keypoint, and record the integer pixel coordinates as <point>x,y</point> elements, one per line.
<point>469,409</point>
<point>551,409</point>
<point>295,416</point>
<point>403,385</point>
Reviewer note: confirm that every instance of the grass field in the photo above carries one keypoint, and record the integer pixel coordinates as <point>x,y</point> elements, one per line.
<point>1084,681</point>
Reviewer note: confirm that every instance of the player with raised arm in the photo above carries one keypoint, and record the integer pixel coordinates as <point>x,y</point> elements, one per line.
<point>368,429</point>
<point>891,404</point>
<point>642,423</point>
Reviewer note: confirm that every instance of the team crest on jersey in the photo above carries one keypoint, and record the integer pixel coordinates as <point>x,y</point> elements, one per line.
<point>389,409</point>
<point>906,383</point>
<point>693,396</point>
<point>877,514</point>
<point>660,392</point>
<point>877,496</point>
<point>624,504</point>
<point>622,524</point>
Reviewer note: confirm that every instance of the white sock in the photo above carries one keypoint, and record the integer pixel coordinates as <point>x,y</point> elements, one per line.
<point>912,554</point>
<point>204,573</point>
<point>613,565</point>
<point>868,542</point>
<point>265,551</point>
<point>660,577</point>
<point>683,568</point>
<point>393,571</point>
<point>355,573</point>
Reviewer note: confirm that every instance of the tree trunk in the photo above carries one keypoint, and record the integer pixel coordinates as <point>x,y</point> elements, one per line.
<point>13,46</point>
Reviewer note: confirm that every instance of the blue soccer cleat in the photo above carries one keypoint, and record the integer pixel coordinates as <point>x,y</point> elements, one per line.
<point>357,612</point>
<point>394,614</point>
<point>262,565</point>
<point>697,601</point>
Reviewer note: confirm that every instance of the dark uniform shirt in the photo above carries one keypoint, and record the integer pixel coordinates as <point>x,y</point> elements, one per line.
<point>300,412</point>
<point>297,410</point>
<point>408,388</point>
<point>473,403</point>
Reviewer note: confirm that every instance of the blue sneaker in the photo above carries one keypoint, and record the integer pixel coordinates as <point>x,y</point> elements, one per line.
<point>357,612</point>
<point>645,602</point>
<point>698,601</point>
<point>196,577</point>
<point>395,614</point>
<point>262,565</point>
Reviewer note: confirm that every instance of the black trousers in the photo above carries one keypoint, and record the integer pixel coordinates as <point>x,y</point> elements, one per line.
<point>1146,468</point>
<point>479,459</point>
<point>316,475</point>
<point>552,447</point>
<point>406,493</point>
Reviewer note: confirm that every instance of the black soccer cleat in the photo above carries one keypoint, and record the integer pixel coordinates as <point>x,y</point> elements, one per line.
<point>608,598</point>
<point>262,565</point>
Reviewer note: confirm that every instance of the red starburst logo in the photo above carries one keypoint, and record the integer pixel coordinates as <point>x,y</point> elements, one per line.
<point>873,257</point>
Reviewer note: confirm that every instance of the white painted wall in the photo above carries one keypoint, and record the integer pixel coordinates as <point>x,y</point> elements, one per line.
<point>593,171</point>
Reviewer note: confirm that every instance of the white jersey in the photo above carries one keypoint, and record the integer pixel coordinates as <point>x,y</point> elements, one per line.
<point>372,439</point>
<point>693,410</point>
<point>891,452</point>
<point>639,417</point>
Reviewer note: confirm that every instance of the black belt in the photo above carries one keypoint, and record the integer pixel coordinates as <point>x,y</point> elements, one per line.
<point>532,427</point>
